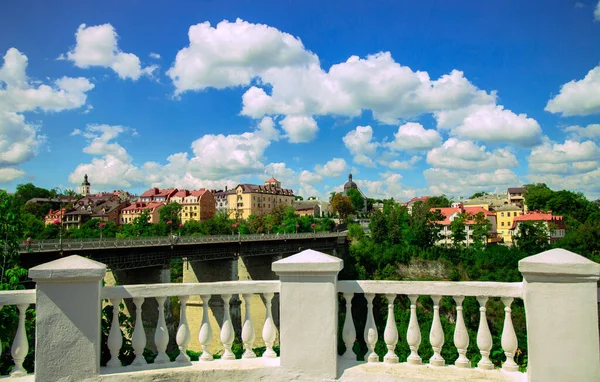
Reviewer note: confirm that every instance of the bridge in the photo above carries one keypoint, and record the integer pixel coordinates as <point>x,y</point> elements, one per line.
<point>141,252</point>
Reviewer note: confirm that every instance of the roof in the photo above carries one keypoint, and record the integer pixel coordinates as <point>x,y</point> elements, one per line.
<point>540,216</point>
<point>151,192</point>
<point>516,190</point>
<point>416,199</point>
<point>508,207</point>
<point>198,193</point>
<point>447,212</point>
<point>142,206</point>
<point>272,180</point>
<point>267,189</point>
<point>167,192</point>
<point>181,194</point>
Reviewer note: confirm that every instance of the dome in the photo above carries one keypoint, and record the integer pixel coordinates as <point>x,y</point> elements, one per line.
<point>350,184</point>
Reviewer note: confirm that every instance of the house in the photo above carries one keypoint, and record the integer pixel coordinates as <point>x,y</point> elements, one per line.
<point>409,205</point>
<point>157,195</point>
<point>505,216</point>
<point>129,213</point>
<point>451,213</point>
<point>221,199</point>
<point>104,206</point>
<point>487,201</point>
<point>516,195</point>
<point>251,199</point>
<point>554,224</point>
<point>198,205</point>
<point>316,208</point>
<point>53,217</point>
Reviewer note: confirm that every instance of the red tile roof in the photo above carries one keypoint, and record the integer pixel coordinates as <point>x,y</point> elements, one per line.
<point>417,199</point>
<point>151,192</point>
<point>448,211</point>
<point>272,180</point>
<point>182,193</point>
<point>539,216</point>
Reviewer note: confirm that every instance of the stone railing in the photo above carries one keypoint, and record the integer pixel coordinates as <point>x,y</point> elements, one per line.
<point>559,292</point>
<point>23,299</point>
<point>73,244</point>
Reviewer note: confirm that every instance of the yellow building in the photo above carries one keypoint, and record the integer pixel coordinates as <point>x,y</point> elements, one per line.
<point>505,216</point>
<point>196,205</point>
<point>487,202</point>
<point>252,199</point>
<point>128,214</point>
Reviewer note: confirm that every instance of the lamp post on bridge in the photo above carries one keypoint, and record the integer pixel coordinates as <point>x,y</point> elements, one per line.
<point>101,225</point>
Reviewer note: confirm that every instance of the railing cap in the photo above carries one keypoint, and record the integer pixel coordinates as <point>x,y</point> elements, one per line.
<point>559,262</point>
<point>308,261</point>
<point>71,267</point>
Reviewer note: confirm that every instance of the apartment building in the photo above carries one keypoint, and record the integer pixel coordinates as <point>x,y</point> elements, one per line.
<point>506,215</point>
<point>197,205</point>
<point>554,224</point>
<point>452,213</point>
<point>129,213</point>
<point>252,199</point>
<point>157,195</point>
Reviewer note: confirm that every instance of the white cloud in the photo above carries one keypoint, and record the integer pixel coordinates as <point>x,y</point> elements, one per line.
<point>578,97</point>
<point>100,137</point>
<point>494,124</point>
<point>597,12</point>
<point>300,128</point>
<point>266,127</point>
<point>387,186</point>
<point>97,46</point>
<point>8,174</point>
<point>571,157</point>
<point>310,177</point>
<point>463,183</point>
<point>153,55</point>
<point>361,145</point>
<point>413,136</point>
<point>579,132</point>
<point>399,165</point>
<point>19,139</point>
<point>466,155</point>
<point>333,168</point>
<point>232,54</point>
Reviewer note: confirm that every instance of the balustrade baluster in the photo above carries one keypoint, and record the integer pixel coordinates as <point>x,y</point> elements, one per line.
<point>390,335</point>
<point>1,306</point>
<point>349,331</point>
<point>436,335</point>
<point>413,335</point>
<point>248,335</point>
<point>115,339</point>
<point>20,346</point>
<point>461,336</point>
<point>205,334</point>
<point>509,337</point>
<point>227,334</point>
<point>161,335</point>
<point>371,330</point>
<point>269,332</point>
<point>484,337</point>
<point>139,336</point>
<point>183,332</point>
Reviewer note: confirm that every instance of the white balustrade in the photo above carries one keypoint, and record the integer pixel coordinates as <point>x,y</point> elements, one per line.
<point>20,347</point>
<point>413,335</point>
<point>390,335</point>
<point>161,335</point>
<point>227,334</point>
<point>115,339</point>
<point>138,340</point>
<point>248,335</point>
<point>371,330</point>
<point>484,337</point>
<point>183,332</point>
<point>509,337</point>
<point>461,336</point>
<point>269,332</point>
<point>349,331</point>
<point>205,334</point>
<point>1,306</point>
<point>436,335</point>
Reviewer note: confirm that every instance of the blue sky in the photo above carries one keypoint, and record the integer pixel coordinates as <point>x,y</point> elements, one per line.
<point>413,98</point>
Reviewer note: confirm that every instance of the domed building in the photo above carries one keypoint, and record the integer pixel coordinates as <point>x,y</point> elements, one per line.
<point>350,185</point>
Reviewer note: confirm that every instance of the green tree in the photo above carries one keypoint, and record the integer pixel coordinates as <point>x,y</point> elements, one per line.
<point>25,192</point>
<point>378,227</point>
<point>298,197</point>
<point>479,194</point>
<point>441,201</point>
<point>480,229</point>
<point>424,226</point>
<point>342,205</point>
<point>358,202</point>
<point>171,213</point>
<point>537,196</point>
<point>141,224</point>
<point>458,227</point>
<point>532,237</point>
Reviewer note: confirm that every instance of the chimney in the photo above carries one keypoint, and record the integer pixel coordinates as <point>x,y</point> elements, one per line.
<point>225,188</point>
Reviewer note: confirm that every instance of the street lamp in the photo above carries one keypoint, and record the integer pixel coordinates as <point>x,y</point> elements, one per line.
<point>283,225</point>
<point>56,221</point>
<point>313,227</point>
<point>101,225</point>
<point>297,227</point>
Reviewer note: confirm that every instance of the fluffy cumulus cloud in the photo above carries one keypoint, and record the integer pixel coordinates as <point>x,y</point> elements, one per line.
<point>568,157</point>
<point>597,12</point>
<point>300,128</point>
<point>388,185</point>
<point>413,136</point>
<point>494,124</point>
<point>581,132</point>
<point>395,164</point>
<point>360,143</point>
<point>578,97</point>
<point>20,140</point>
<point>467,155</point>
<point>97,46</point>
<point>232,54</point>
<point>333,168</point>
<point>445,181</point>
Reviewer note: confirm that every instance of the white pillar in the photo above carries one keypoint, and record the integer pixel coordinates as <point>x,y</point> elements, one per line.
<point>561,308</point>
<point>67,318</point>
<point>309,312</point>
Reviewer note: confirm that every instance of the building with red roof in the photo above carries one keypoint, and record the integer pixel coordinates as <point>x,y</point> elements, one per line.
<point>410,203</point>
<point>198,205</point>
<point>129,213</point>
<point>555,225</point>
<point>451,213</point>
<point>157,195</point>
<point>252,199</point>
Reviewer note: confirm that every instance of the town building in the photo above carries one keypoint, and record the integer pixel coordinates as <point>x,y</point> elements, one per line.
<point>54,217</point>
<point>197,205</point>
<point>451,213</point>
<point>555,225</point>
<point>85,186</point>
<point>487,201</point>
<point>516,195</point>
<point>106,207</point>
<point>505,215</point>
<point>409,205</point>
<point>314,207</point>
<point>157,195</point>
<point>252,199</point>
<point>129,213</point>
<point>350,185</point>
<point>221,200</point>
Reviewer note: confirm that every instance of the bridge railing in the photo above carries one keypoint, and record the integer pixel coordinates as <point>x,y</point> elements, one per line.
<point>97,243</point>
<point>22,299</point>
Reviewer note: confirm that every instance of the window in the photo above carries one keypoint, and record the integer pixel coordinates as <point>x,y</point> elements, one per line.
<point>502,215</point>
<point>508,214</point>
<point>502,224</point>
